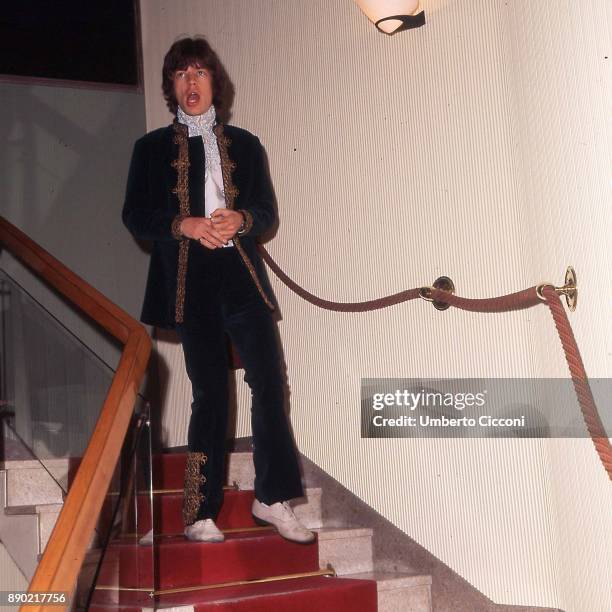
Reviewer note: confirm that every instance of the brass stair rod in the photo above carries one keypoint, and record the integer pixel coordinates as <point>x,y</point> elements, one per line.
<point>329,571</point>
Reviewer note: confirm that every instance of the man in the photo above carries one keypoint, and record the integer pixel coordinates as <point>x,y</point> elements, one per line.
<point>199,190</point>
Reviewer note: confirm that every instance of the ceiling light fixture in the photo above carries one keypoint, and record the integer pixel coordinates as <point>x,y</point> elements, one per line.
<point>391,16</point>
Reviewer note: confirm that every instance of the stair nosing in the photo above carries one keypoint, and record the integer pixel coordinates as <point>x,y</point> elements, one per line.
<point>389,581</point>
<point>339,533</point>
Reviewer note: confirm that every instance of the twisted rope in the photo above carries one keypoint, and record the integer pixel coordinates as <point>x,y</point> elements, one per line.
<point>579,379</point>
<point>505,303</point>
<point>384,302</point>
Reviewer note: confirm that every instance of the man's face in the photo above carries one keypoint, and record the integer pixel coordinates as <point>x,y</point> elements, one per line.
<point>193,90</point>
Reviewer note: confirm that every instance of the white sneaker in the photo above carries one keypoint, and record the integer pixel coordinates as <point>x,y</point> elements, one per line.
<point>281,516</point>
<point>204,531</point>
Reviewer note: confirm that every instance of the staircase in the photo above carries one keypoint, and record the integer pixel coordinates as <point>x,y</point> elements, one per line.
<point>205,576</point>
<point>31,498</point>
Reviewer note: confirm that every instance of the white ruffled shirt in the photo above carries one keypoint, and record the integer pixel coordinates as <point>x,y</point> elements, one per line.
<point>202,125</point>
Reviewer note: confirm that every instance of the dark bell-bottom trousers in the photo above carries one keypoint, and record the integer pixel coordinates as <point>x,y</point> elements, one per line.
<point>227,302</point>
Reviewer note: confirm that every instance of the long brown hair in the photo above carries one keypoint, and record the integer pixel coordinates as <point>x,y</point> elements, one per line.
<point>198,53</point>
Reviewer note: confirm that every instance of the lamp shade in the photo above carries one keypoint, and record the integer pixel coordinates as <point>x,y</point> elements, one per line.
<point>386,10</point>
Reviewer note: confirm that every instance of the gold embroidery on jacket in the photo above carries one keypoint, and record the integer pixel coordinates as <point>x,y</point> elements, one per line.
<point>252,272</point>
<point>231,193</point>
<point>181,165</point>
<point>175,227</point>
<point>194,479</point>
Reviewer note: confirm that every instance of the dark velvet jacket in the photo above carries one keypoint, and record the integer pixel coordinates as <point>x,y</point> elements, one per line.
<point>166,184</point>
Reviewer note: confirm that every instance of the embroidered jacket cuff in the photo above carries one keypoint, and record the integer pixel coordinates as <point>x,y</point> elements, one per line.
<point>176,226</point>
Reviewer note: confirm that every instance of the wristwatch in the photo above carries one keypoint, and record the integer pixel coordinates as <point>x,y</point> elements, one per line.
<point>242,228</point>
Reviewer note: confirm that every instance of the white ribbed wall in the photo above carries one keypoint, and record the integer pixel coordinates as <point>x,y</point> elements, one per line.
<point>478,147</point>
<point>563,89</point>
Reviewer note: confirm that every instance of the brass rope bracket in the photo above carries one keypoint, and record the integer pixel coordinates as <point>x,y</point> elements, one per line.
<point>443,283</point>
<point>569,290</point>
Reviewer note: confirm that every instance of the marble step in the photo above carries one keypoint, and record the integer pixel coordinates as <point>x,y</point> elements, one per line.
<point>399,592</point>
<point>28,483</point>
<point>19,534</point>
<point>240,470</point>
<point>47,517</point>
<point>349,551</point>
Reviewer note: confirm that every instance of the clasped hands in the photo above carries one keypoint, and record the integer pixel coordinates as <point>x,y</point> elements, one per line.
<point>214,232</point>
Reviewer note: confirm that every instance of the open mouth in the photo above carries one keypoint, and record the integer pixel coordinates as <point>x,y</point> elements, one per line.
<point>193,98</point>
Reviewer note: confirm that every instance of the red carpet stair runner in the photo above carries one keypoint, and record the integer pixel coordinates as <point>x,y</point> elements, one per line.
<point>249,553</point>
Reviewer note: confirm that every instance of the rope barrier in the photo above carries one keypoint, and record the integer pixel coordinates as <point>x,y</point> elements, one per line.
<point>390,300</point>
<point>505,303</point>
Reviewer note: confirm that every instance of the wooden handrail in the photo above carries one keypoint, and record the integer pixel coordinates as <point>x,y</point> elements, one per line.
<point>61,562</point>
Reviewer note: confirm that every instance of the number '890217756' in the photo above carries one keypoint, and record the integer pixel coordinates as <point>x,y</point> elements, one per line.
<point>23,598</point>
